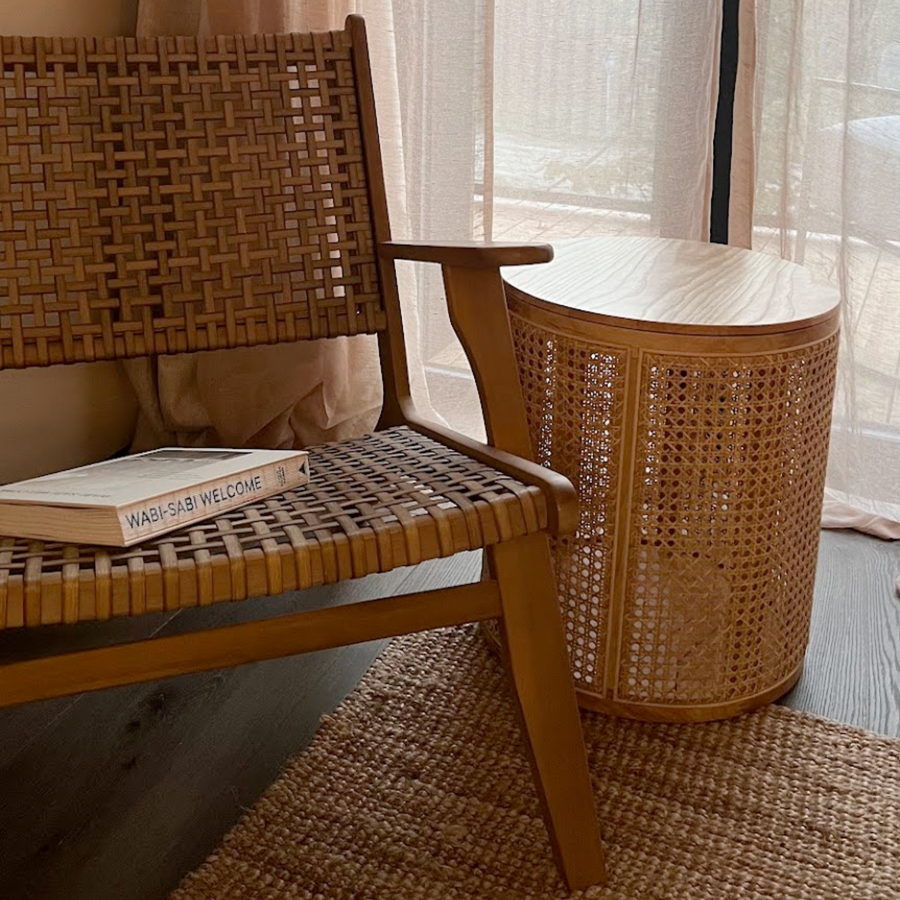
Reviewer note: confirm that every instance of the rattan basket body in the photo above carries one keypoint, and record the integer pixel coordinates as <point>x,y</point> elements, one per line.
<point>699,457</point>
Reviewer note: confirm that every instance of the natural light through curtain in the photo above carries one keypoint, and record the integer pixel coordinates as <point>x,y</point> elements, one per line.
<point>522,120</point>
<point>822,106</point>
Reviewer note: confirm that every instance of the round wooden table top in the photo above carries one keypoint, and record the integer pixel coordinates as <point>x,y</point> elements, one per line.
<point>667,285</point>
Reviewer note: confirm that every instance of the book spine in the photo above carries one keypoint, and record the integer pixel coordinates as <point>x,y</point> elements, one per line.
<point>167,512</point>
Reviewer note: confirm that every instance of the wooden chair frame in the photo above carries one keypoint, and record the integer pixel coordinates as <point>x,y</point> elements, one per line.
<point>520,591</point>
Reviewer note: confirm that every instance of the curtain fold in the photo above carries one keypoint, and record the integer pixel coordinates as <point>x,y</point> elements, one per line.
<point>298,394</point>
<point>816,180</point>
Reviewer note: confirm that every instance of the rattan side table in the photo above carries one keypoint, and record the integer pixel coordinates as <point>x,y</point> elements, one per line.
<point>686,390</point>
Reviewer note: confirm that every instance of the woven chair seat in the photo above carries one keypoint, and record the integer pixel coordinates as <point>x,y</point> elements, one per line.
<point>389,499</point>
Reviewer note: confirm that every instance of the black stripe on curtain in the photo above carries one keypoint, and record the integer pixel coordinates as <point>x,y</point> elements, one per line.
<point>721,189</point>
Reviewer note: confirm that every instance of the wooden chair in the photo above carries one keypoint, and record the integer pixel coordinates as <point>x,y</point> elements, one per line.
<point>176,195</point>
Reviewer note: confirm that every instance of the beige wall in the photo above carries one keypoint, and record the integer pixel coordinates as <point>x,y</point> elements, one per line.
<point>63,416</point>
<point>67,17</point>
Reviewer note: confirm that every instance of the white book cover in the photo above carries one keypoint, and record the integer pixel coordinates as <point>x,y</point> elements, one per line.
<point>131,479</point>
<point>129,499</point>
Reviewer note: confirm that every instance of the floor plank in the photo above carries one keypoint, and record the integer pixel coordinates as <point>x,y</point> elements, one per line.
<point>852,669</point>
<point>23,725</point>
<point>117,794</point>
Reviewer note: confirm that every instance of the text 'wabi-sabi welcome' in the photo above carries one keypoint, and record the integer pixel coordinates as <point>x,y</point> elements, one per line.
<point>203,499</point>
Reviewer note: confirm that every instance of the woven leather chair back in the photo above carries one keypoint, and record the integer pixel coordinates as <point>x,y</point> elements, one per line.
<point>174,194</point>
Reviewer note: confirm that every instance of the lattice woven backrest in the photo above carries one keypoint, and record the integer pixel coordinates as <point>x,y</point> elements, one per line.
<point>173,194</point>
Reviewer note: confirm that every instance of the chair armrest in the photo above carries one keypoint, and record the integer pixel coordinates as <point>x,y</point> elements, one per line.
<point>477,307</point>
<point>562,500</point>
<point>468,254</point>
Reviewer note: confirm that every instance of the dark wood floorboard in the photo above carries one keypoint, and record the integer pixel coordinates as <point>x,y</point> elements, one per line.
<point>118,794</point>
<point>24,725</point>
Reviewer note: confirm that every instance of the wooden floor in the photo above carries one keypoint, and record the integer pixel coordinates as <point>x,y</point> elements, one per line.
<point>118,794</point>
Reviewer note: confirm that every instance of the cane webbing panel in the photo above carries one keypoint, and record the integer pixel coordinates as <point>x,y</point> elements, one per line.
<point>725,520</point>
<point>173,194</point>
<point>385,500</point>
<point>574,399</point>
<point>688,584</point>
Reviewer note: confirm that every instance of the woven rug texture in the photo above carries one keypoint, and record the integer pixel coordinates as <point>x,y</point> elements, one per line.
<point>418,787</point>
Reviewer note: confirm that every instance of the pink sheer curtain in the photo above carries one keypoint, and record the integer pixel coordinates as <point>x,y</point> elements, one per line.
<point>816,179</point>
<point>522,120</point>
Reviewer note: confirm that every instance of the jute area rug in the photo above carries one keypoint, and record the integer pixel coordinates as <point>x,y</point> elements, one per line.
<point>418,787</point>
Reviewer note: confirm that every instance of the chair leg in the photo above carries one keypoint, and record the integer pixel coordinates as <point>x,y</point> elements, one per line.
<point>534,641</point>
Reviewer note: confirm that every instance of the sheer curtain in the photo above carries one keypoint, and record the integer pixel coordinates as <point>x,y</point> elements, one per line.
<point>817,180</point>
<point>521,120</point>
<point>499,119</point>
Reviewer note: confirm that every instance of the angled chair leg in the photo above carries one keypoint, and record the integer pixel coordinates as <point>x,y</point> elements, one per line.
<point>534,642</point>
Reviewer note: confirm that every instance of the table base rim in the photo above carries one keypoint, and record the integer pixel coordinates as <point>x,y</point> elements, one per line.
<point>687,712</point>
<point>669,712</point>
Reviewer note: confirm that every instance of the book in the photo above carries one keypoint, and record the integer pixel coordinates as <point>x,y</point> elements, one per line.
<point>126,500</point>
